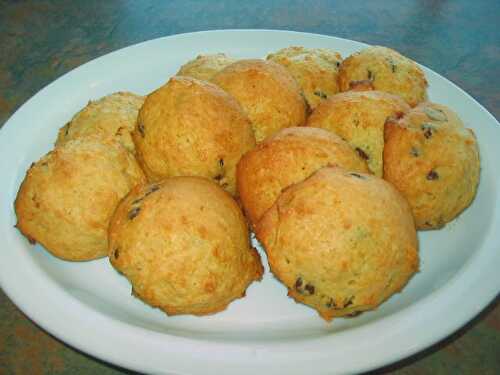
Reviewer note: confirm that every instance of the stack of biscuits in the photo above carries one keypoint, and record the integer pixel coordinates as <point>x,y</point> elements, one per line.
<point>333,163</point>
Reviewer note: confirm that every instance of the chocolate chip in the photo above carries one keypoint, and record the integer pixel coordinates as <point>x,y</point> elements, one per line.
<point>31,240</point>
<point>298,283</point>
<point>140,128</point>
<point>66,131</point>
<point>133,212</point>
<point>309,288</point>
<point>362,154</point>
<point>337,63</point>
<point>116,253</point>
<point>321,94</point>
<point>371,76</point>
<point>428,129</point>
<point>414,152</point>
<point>391,63</point>
<point>218,177</point>
<point>331,304</point>
<point>357,175</point>
<point>221,162</point>
<point>432,175</point>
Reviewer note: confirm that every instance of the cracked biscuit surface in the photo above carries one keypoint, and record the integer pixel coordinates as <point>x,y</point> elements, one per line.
<point>183,243</point>
<point>342,242</point>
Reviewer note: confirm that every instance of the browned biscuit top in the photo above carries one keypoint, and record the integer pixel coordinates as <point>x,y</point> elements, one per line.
<point>434,161</point>
<point>315,69</point>
<point>190,127</point>
<point>113,116</point>
<point>342,242</point>
<point>359,117</point>
<point>68,196</point>
<point>267,92</point>
<point>386,70</point>
<point>183,243</point>
<point>288,157</point>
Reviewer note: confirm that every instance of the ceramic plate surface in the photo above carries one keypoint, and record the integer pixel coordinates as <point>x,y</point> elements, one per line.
<point>89,305</point>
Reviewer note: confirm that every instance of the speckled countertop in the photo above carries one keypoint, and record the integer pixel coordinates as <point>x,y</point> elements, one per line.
<point>42,40</point>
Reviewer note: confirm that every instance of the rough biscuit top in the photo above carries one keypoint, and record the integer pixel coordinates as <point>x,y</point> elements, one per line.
<point>286,158</point>
<point>190,127</point>
<point>184,245</point>
<point>385,70</point>
<point>204,67</point>
<point>434,161</point>
<point>359,117</point>
<point>315,69</point>
<point>267,92</point>
<point>113,115</point>
<point>342,242</point>
<point>68,196</point>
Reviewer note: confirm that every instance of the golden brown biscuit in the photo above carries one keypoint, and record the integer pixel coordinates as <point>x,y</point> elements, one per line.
<point>192,128</point>
<point>204,67</point>
<point>286,158</point>
<point>433,160</point>
<point>68,196</point>
<point>359,117</point>
<point>341,242</point>
<point>386,70</point>
<point>183,244</point>
<point>267,92</point>
<point>113,115</point>
<point>315,70</point>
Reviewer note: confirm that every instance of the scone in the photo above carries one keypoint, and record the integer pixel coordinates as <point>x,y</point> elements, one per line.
<point>433,160</point>
<point>288,157</point>
<point>204,67</point>
<point>183,244</point>
<point>113,115</point>
<point>342,242</point>
<point>267,92</point>
<point>359,117</point>
<point>67,198</point>
<point>314,69</point>
<point>190,127</point>
<point>385,70</point>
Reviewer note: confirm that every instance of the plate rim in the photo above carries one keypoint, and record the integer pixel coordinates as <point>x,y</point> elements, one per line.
<point>255,351</point>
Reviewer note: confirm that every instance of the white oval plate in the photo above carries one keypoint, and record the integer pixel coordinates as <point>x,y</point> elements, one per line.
<point>89,305</point>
